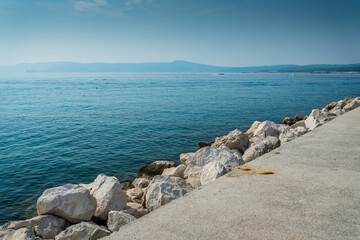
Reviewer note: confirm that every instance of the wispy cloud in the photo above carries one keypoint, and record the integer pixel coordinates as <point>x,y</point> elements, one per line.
<point>105,7</point>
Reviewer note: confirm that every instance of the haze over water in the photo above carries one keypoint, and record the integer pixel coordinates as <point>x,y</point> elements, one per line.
<point>68,128</point>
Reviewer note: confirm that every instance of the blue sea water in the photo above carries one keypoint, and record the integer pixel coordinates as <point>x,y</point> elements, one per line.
<point>68,128</point>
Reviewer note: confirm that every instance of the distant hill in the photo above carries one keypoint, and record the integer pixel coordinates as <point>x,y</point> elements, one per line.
<point>176,66</point>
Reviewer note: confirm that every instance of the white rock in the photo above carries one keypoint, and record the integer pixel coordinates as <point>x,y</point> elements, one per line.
<point>352,105</point>
<point>253,128</point>
<point>83,231</point>
<point>141,182</point>
<point>175,171</point>
<point>261,148</point>
<point>234,140</point>
<point>118,219</point>
<point>184,157</point>
<point>338,111</point>
<point>19,234</point>
<point>71,202</point>
<point>299,124</point>
<point>109,195</point>
<point>311,123</point>
<point>211,171</point>
<point>164,189</point>
<point>292,134</point>
<point>266,129</point>
<point>135,194</point>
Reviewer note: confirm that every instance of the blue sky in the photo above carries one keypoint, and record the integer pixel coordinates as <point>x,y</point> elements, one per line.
<point>222,32</point>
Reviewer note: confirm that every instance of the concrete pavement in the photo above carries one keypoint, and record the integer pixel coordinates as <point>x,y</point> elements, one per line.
<point>308,188</point>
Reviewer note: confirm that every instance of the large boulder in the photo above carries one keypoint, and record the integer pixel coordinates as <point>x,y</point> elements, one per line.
<point>253,128</point>
<point>184,157</point>
<point>140,182</point>
<point>135,194</point>
<point>292,134</point>
<point>83,231</point>
<point>118,219</point>
<point>322,115</point>
<point>266,129</point>
<point>109,195</point>
<point>164,189</point>
<point>26,233</point>
<point>330,106</point>
<point>156,168</point>
<point>71,202</point>
<point>234,140</point>
<point>212,171</point>
<point>311,123</point>
<point>175,171</point>
<point>337,111</point>
<point>260,148</point>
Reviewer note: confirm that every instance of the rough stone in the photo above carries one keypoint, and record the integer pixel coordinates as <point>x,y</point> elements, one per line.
<point>266,129</point>
<point>205,144</point>
<point>109,195</point>
<point>19,234</point>
<point>352,105</point>
<point>253,128</point>
<point>135,209</point>
<point>234,140</point>
<point>261,148</point>
<point>155,168</point>
<point>311,123</point>
<point>212,171</point>
<point>71,202</point>
<point>298,117</point>
<point>164,189</point>
<point>330,106</point>
<point>141,182</point>
<point>184,157</point>
<point>175,171</point>
<point>118,219</point>
<point>83,231</point>
<point>135,194</point>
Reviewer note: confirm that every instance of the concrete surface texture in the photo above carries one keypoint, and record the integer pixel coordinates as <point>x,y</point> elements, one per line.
<point>308,188</point>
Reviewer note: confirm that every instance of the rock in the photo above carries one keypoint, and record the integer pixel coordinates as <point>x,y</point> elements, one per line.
<point>71,202</point>
<point>266,129</point>
<point>185,156</point>
<point>292,134</point>
<point>234,140</point>
<point>299,124</point>
<point>337,111</point>
<point>109,195</point>
<point>330,106</point>
<point>340,104</point>
<point>205,144</point>
<point>135,209</point>
<point>175,171</point>
<point>164,189</point>
<point>322,115</point>
<point>212,171</point>
<point>311,123</point>
<point>298,117</point>
<point>261,148</point>
<point>141,182</point>
<point>347,100</point>
<point>118,219</point>
<point>352,105</point>
<point>135,194</point>
<point>83,231</point>
<point>288,121</point>
<point>253,128</point>
<point>19,234</point>
<point>155,168</point>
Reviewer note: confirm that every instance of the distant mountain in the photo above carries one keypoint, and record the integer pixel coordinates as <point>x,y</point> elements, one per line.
<point>176,66</point>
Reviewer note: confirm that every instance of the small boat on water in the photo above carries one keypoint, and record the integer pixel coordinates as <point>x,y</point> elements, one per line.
<point>221,73</point>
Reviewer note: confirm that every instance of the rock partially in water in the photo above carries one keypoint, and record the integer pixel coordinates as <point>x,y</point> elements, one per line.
<point>71,202</point>
<point>212,171</point>
<point>260,148</point>
<point>155,168</point>
<point>109,195</point>
<point>234,140</point>
<point>118,219</point>
<point>205,144</point>
<point>164,189</point>
<point>83,231</point>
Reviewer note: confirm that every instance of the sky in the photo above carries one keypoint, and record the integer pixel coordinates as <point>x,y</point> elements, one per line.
<point>218,32</point>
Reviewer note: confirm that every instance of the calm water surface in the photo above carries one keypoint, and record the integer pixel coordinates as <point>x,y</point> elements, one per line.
<point>68,128</point>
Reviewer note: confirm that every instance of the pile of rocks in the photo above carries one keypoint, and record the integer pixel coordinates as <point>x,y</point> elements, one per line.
<point>94,210</point>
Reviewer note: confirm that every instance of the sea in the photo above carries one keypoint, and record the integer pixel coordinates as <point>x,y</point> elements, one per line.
<point>59,128</point>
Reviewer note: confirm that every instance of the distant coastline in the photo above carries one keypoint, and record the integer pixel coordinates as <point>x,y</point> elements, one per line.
<point>176,67</point>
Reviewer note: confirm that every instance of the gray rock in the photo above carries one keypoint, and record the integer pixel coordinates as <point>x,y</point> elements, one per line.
<point>71,202</point>
<point>258,149</point>
<point>352,105</point>
<point>141,182</point>
<point>266,129</point>
<point>164,189</point>
<point>155,168</point>
<point>299,124</point>
<point>135,194</point>
<point>330,106</point>
<point>83,231</point>
<point>337,111</point>
<point>109,195</point>
<point>311,123</point>
<point>212,171</point>
<point>118,219</point>
<point>19,234</point>
<point>234,140</point>
<point>184,157</point>
<point>292,134</point>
